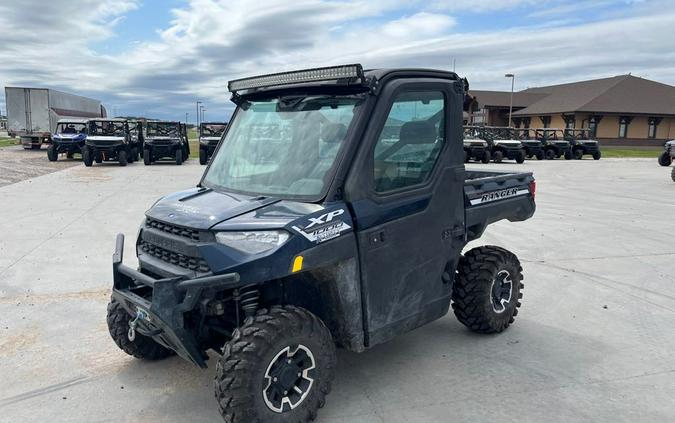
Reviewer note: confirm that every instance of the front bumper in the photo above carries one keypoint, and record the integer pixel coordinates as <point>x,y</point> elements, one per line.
<point>171,298</point>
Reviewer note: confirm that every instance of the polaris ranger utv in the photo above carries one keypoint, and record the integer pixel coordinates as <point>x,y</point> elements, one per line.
<point>108,140</point>
<point>532,146</point>
<point>555,144</point>
<point>348,233</point>
<point>501,143</point>
<point>582,144</point>
<point>68,138</point>
<point>666,158</point>
<point>209,137</point>
<point>475,148</point>
<point>164,139</point>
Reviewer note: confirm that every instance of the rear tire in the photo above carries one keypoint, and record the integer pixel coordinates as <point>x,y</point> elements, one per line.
<point>252,377</point>
<point>486,294</point>
<point>597,155</point>
<point>672,174</point>
<point>179,156</point>
<point>540,155</point>
<point>578,154</point>
<point>52,155</point>
<point>498,156</point>
<point>203,158</point>
<point>486,157</point>
<point>147,157</point>
<point>141,347</point>
<point>122,157</point>
<point>86,157</point>
<point>568,155</point>
<point>665,159</point>
<point>520,157</point>
<point>466,156</point>
<point>550,154</point>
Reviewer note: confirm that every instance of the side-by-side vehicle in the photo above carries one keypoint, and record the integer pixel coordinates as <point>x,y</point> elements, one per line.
<point>108,140</point>
<point>165,139</point>
<point>333,214</point>
<point>69,137</point>
<point>209,137</point>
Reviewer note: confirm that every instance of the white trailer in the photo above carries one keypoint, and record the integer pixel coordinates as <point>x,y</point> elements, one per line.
<point>32,113</point>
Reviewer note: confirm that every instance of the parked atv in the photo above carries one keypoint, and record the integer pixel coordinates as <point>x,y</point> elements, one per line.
<point>532,146</point>
<point>666,158</point>
<point>582,144</point>
<point>476,149</point>
<point>69,137</point>
<point>165,139</point>
<point>108,140</point>
<point>555,145</point>
<point>501,145</point>
<point>346,231</point>
<point>209,137</point>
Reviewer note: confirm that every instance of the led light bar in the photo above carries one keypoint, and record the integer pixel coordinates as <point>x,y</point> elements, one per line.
<point>332,73</point>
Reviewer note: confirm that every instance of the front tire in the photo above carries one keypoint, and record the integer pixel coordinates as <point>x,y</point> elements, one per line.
<point>597,155</point>
<point>486,294</point>
<point>540,155</point>
<point>179,156</point>
<point>665,159</point>
<point>142,346</point>
<point>202,156</point>
<point>486,157</point>
<point>578,154</point>
<point>278,367</point>
<point>86,157</point>
<point>52,155</point>
<point>122,157</point>
<point>672,174</point>
<point>550,154</point>
<point>498,156</point>
<point>520,157</point>
<point>147,158</point>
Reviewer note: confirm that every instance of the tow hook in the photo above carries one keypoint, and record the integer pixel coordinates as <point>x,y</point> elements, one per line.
<point>140,314</point>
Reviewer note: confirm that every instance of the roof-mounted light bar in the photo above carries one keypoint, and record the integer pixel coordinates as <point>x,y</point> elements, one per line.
<point>332,73</point>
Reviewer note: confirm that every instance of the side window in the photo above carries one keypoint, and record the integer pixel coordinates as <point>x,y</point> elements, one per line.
<point>411,140</point>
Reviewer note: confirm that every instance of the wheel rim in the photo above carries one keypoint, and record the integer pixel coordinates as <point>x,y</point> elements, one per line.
<point>501,291</point>
<point>289,378</point>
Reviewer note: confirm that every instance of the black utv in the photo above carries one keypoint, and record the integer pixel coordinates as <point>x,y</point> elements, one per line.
<point>165,139</point>
<point>582,144</point>
<point>532,146</point>
<point>69,138</point>
<point>109,140</point>
<point>501,142</point>
<point>345,231</point>
<point>554,142</point>
<point>209,137</point>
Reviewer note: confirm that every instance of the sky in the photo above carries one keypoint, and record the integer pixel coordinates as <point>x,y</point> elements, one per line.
<point>156,58</point>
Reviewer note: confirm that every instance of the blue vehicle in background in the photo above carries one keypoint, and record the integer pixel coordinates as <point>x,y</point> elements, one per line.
<point>69,138</point>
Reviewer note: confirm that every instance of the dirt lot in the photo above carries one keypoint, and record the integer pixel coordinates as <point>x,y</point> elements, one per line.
<point>17,164</point>
<point>593,341</point>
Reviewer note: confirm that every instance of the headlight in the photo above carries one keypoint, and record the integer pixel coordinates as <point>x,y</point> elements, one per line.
<point>253,242</point>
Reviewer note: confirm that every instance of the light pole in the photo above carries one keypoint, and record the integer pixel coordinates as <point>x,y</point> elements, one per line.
<point>198,103</point>
<point>203,113</point>
<point>513,77</point>
<point>186,117</point>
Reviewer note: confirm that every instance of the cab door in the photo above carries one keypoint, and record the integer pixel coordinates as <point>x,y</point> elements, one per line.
<point>407,202</point>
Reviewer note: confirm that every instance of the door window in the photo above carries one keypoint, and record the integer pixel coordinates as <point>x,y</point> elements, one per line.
<point>411,140</point>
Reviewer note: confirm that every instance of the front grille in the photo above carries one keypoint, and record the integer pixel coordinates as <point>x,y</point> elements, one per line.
<point>192,234</point>
<point>191,263</point>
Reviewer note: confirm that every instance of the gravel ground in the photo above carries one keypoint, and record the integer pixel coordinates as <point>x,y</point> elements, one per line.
<point>17,164</point>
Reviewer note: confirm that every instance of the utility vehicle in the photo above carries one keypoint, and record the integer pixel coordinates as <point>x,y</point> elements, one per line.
<point>554,142</point>
<point>165,139</point>
<point>209,137</point>
<point>501,143</point>
<point>68,138</point>
<point>476,149</point>
<point>666,158</point>
<point>108,140</point>
<point>582,144</point>
<point>136,134</point>
<point>532,146</point>
<point>334,212</point>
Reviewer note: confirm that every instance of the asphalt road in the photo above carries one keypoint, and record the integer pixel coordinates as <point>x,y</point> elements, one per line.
<point>594,339</point>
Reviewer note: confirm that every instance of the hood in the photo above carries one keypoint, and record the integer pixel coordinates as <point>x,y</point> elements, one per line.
<point>104,138</point>
<point>508,142</point>
<point>209,138</point>
<point>162,138</point>
<point>202,208</point>
<point>68,136</point>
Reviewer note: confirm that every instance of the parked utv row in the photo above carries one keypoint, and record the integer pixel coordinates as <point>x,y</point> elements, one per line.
<point>485,143</point>
<point>120,140</point>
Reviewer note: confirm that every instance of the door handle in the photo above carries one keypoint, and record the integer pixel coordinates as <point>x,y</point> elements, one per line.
<point>377,238</point>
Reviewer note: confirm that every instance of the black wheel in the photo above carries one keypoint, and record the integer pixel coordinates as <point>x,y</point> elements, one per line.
<point>203,159</point>
<point>486,157</point>
<point>135,154</point>
<point>597,155</point>
<point>486,294</point>
<point>147,157</point>
<point>142,346</point>
<point>466,156</point>
<point>568,155</point>
<point>86,157</point>
<point>52,155</point>
<point>186,154</point>
<point>540,155</point>
<point>520,157</point>
<point>550,154</point>
<point>278,367</point>
<point>578,154</point>
<point>122,157</point>
<point>498,156</point>
<point>672,174</point>
<point>98,158</point>
<point>665,159</point>
<point>179,156</point>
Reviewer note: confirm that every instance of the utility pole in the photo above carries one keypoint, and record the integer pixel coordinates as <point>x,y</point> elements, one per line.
<point>513,77</point>
<point>186,117</point>
<point>198,103</point>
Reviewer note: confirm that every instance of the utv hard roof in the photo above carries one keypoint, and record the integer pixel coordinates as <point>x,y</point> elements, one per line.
<point>345,75</point>
<point>106,120</point>
<point>71,121</point>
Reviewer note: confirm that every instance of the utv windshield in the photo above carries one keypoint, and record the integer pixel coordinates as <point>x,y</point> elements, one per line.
<point>162,129</point>
<point>283,147</point>
<point>106,128</point>
<point>70,128</point>
<point>212,130</point>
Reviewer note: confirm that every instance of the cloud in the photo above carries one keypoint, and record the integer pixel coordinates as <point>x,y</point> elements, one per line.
<point>208,42</point>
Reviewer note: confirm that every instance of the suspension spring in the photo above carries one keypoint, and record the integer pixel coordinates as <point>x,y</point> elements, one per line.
<point>248,299</point>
